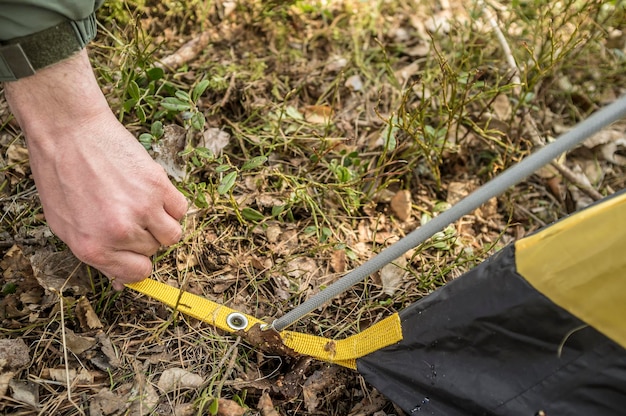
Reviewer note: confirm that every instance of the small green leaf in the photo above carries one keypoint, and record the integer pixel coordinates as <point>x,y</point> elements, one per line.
<point>204,153</point>
<point>227,183</point>
<point>326,233</point>
<point>182,95</point>
<point>222,168</point>
<point>155,73</point>
<point>292,112</point>
<point>254,163</point>
<point>157,129</point>
<point>342,174</point>
<point>389,133</point>
<point>277,210</point>
<point>252,214</point>
<point>140,113</point>
<point>199,89</point>
<point>200,200</point>
<point>198,121</point>
<point>146,140</point>
<point>214,407</point>
<point>133,90</point>
<point>129,104</point>
<point>441,245</point>
<point>430,131</point>
<point>174,104</point>
<point>9,288</point>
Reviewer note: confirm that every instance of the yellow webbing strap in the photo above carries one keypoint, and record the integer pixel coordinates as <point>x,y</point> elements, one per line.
<point>580,264</point>
<point>343,352</point>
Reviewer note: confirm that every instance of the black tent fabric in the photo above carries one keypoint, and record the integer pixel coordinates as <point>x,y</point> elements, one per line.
<point>489,343</point>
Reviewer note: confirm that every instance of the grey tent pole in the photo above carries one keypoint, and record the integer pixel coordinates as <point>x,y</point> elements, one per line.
<point>494,187</point>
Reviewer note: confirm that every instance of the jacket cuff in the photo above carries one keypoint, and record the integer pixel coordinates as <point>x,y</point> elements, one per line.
<point>22,57</point>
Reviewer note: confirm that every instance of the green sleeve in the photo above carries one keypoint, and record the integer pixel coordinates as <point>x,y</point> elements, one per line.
<point>20,18</point>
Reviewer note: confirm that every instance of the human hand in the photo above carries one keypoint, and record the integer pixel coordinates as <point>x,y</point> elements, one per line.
<point>101,192</point>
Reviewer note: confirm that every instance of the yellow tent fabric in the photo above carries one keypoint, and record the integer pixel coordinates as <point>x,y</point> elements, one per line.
<point>580,264</point>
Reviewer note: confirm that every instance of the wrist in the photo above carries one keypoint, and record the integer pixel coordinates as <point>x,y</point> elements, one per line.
<point>56,98</point>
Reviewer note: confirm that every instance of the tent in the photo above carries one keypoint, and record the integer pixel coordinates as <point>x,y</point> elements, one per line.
<point>537,329</point>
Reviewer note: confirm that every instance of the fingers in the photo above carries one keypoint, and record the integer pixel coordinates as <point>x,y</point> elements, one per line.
<point>121,267</point>
<point>166,230</point>
<point>128,267</point>
<point>175,204</point>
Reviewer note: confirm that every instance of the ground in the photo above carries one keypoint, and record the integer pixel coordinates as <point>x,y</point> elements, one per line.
<point>308,136</point>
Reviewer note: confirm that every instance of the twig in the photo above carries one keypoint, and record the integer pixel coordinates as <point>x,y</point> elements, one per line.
<point>59,293</point>
<point>185,53</point>
<point>530,124</point>
<point>229,368</point>
<point>229,90</point>
<point>508,54</point>
<point>571,177</point>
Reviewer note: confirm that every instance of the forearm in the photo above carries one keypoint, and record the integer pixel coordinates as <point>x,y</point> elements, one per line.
<point>68,87</point>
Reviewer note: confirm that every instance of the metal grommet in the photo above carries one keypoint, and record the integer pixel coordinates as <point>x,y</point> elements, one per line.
<point>237,321</point>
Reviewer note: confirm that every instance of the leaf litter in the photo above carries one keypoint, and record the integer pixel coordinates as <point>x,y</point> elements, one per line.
<point>344,111</point>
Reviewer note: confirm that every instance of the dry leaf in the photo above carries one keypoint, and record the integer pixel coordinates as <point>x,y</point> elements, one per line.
<point>146,397</point>
<point>338,261</point>
<point>370,404</point>
<point>31,297</point>
<point>14,264</point>
<point>61,375</point>
<point>265,200</point>
<point>229,7</point>
<point>272,232</point>
<point>502,107</point>
<point>17,155</point>
<point>25,392</point>
<point>215,140</point>
<point>13,354</point>
<point>603,137</point>
<point>167,149</point>
<point>178,378</point>
<point>405,73</point>
<point>419,51</point>
<point>336,63</point>
<point>13,357</point>
<point>354,83</point>
<point>261,264</point>
<point>401,205</point>
<point>78,344</point>
<point>106,403</point>
<point>265,406</point>
<point>5,378</point>
<point>229,408</point>
<point>489,209</point>
<point>86,315</point>
<point>60,270</point>
<point>611,152</point>
<point>457,191</point>
<point>392,276</point>
<point>317,114</point>
<point>184,409</point>
<point>105,359</point>
<point>302,267</point>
